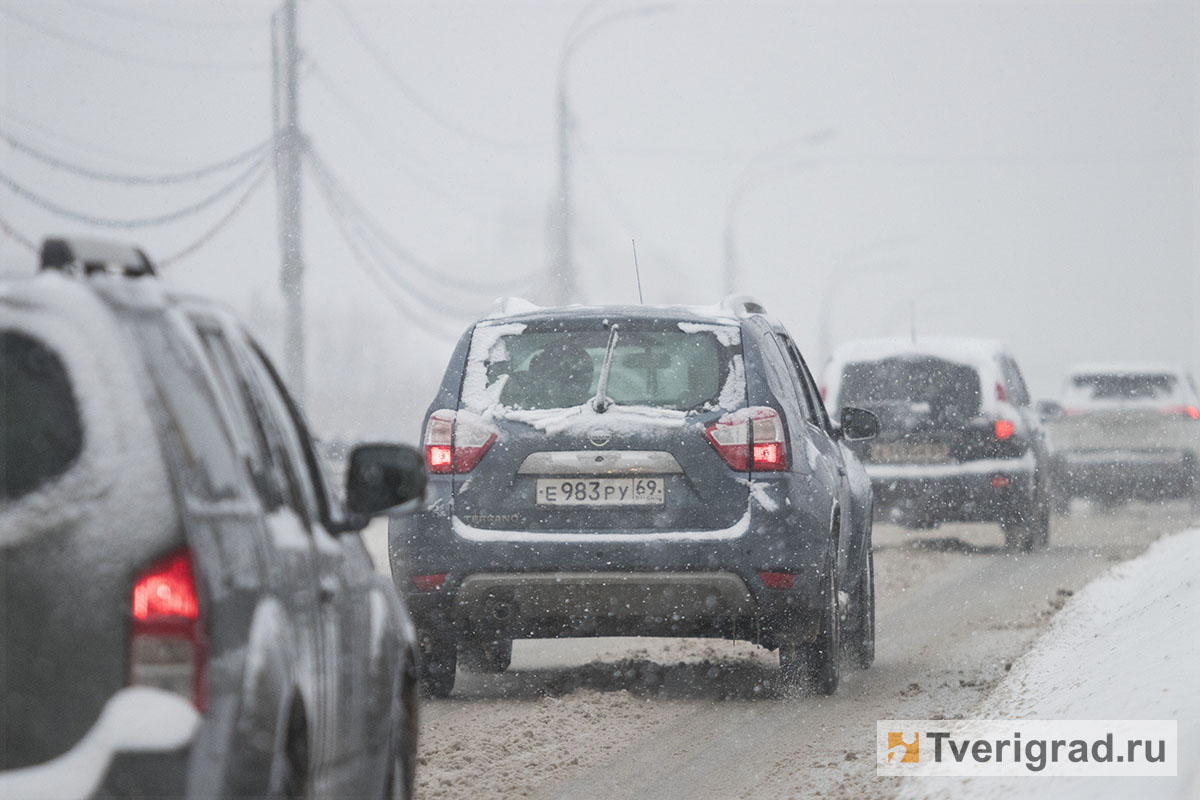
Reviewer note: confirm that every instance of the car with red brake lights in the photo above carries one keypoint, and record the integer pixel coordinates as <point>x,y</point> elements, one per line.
<point>637,470</point>
<point>959,439</point>
<point>186,610</point>
<point>1126,431</point>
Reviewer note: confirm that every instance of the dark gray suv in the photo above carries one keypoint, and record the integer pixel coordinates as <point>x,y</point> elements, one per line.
<point>622,470</point>
<point>185,609</point>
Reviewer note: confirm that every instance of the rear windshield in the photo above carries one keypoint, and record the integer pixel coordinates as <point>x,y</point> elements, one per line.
<point>559,369</point>
<point>41,432</point>
<point>1146,386</point>
<point>943,386</point>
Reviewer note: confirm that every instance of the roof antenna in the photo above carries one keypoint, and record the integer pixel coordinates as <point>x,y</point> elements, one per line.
<point>912,317</point>
<point>637,272</point>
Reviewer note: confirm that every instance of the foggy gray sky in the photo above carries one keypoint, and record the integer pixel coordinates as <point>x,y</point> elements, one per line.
<point>1024,171</point>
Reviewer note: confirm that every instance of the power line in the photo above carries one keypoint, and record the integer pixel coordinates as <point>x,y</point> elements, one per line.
<point>180,24</point>
<point>367,265</point>
<point>123,55</point>
<point>91,148</point>
<point>220,225</point>
<point>420,102</point>
<point>13,234</point>
<point>145,222</point>
<point>344,208</point>
<point>135,180</point>
<point>402,253</point>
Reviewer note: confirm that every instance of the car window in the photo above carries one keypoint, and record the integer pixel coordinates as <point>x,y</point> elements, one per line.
<point>1018,394</point>
<point>263,452</point>
<point>201,444</point>
<point>784,384</point>
<point>941,387</point>
<point>670,369</point>
<point>40,424</point>
<point>1127,386</point>
<point>816,406</point>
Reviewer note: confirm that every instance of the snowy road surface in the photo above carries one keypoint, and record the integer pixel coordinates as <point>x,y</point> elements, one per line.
<point>701,718</point>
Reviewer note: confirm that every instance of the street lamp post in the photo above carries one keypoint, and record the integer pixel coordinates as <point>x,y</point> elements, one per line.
<point>563,277</point>
<point>758,171</point>
<point>852,267</point>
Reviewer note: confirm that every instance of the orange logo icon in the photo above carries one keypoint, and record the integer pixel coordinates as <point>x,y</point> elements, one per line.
<point>909,751</point>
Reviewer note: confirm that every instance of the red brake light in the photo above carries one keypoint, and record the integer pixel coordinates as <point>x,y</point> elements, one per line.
<point>167,648</point>
<point>777,580</point>
<point>1188,411</point>
<point>1001,395</point>
<point>751,438</point>
<point>1004,429</point>
<point>456,441</point>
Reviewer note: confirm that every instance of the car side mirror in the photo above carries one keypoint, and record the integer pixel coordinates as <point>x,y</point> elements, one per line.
<point>1048,410</point>
<point>382,476</point>
<point>858,424</point>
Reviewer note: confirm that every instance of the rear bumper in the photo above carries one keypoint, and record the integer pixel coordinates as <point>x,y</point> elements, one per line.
<point>1148,474</point>
<point>517,584</point>
<point>925,495</point>
<point>139,746</point>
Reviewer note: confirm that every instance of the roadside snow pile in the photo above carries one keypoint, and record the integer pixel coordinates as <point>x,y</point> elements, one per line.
<point>1125,647</point>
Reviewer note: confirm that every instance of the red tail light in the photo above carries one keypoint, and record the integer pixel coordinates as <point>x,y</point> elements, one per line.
<point>1001,395</point>
<point>777,580</point>
<point>167,648</point>
<point>455,441</point>
<point>1004,429</point>
<point>429,583</point>
<point>1184,411</point>
<point>750,439</point>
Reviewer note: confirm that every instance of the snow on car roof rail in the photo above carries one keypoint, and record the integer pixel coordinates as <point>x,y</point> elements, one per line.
<point>508,306</point>
<point>79,256</point>
<point>743,305</point>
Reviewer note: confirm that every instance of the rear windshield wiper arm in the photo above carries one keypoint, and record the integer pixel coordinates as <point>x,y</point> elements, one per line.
<point>602,401</point>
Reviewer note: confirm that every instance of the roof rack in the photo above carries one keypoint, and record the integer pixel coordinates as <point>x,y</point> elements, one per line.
<point>743,305</point>
<point>75,256</point>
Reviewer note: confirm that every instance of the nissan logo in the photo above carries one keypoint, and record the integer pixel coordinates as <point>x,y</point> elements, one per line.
<point>599,438</point>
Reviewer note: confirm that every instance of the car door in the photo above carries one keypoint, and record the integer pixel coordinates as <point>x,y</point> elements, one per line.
<point>276,463</point>
<point>855,490</point>
<point>354,615</point>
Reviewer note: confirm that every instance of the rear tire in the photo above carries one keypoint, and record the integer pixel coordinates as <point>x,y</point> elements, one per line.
<point>438,668</point>
<point>487,656</point>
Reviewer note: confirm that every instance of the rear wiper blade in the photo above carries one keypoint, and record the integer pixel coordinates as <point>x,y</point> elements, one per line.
<point>602,401</point>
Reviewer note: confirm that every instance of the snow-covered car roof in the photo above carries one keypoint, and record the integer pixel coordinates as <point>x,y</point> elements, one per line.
<point>520,311</point>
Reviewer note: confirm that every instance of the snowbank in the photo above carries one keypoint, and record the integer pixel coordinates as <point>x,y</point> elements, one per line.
<point>1125,647</point>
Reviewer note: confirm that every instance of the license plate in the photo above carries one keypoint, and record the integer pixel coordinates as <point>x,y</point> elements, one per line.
<point>601,491</point>
<point>907,452</point>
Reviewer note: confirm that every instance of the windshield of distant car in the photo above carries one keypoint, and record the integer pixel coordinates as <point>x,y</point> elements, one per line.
<point>1154,387</point>
<point>41,432</point>
<point>931,383</point>
<point>668,369</point>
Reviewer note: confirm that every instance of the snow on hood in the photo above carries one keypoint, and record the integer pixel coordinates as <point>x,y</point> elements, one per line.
<point>120,467</point>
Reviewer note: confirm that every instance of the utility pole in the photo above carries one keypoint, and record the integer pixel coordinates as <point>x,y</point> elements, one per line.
<point>289,148</point>
<point>563,278</point>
